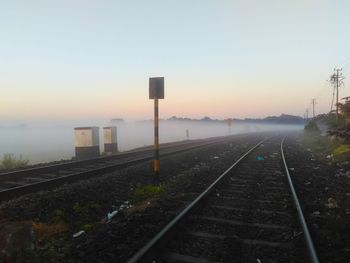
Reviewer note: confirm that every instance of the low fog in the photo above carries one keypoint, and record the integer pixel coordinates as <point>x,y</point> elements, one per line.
<point>51,142</point>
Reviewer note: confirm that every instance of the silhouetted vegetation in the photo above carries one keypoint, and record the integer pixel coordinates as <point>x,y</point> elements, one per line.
<point>312,127</point>
<point>337,144</point>
<point>10,162</point>
<point>342,128</point>
<point>282,119</point>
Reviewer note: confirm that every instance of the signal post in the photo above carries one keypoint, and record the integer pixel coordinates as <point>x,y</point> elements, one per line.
<point>156,92</point>
<point>229,124</point>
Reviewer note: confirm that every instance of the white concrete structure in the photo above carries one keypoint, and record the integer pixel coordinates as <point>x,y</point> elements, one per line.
<point>87,142</point>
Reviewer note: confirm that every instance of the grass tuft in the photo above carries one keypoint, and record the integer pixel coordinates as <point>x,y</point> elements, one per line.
<point>9,162</point>
<point>146,192</point>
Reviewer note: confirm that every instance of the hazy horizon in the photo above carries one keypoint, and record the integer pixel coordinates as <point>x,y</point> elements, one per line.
<point>86,121</point>
<point>46,142</point>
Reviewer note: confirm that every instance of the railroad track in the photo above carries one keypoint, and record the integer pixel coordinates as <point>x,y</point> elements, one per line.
<point>251,213</point>
<point>25,181</point>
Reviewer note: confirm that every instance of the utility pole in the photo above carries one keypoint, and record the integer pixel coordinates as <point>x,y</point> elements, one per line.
<point>337,97</point>
<point>229,124</point>
<point>335,79</point>
<point>313,102</point>
<point>307,114</point>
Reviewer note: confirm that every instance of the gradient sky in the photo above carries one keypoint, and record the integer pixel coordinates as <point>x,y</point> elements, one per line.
<point>69,59</point>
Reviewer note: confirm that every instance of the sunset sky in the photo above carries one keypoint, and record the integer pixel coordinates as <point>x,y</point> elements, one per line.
<point>71,59</point>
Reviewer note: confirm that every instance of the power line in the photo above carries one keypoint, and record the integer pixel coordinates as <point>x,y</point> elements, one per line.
<point>345,63</point>
<point>332,99</point>
<point>306,115</point>
<point>313,102</point>
<point>336,80</point>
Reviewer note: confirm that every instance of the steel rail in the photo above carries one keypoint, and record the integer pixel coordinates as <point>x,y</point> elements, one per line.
<point>309,242</point>
<point>147,250</point>
<point>54,182</point>
<point>71,164</point>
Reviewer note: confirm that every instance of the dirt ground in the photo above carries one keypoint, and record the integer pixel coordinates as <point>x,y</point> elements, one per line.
<point>71,223</point>
<point>323,187</point>
<point>40,227</point>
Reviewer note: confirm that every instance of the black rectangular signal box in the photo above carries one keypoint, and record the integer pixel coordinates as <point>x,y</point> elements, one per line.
<point>156,88</point>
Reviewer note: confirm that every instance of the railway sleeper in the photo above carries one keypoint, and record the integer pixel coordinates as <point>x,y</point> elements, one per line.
<point>247,232</point>
<point>246,215</point>
<point>260,211</point>
<point>12,184</point>
<point>247,181</point>
<point>48,176</point>
<point>250,194</point>
<point>239,203</point>
<point>257,203</point>
<point>251,242</point>
<point>33,179</point>
<point>238,223</point>
<point>215,248</point>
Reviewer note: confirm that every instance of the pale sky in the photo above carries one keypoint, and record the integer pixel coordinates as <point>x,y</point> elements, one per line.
<point>69,59</point>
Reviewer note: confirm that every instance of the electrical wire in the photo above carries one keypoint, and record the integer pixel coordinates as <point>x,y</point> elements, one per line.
<point>345,66</point>
<point>332,99</point>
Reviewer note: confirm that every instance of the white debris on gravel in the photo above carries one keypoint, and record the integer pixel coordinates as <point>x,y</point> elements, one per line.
<point>278,173</point>
<point>331,203</point>
<point>341,173</point>
<point>78,234</point>
<point>112,214</point>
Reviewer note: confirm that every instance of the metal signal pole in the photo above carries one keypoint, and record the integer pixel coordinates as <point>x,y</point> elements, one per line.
<point>156,139</point>
<point>156,91</point>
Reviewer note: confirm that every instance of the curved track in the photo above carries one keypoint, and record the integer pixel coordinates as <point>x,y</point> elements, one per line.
<point>249,214</point>
<point>25,181</point>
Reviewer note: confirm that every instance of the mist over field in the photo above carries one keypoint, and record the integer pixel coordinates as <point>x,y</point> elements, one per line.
<point>46,142</point>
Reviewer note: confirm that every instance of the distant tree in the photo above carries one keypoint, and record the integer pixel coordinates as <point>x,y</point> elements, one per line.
<point>312,127</point>
<point>206,118</point>
<point>342,128</point>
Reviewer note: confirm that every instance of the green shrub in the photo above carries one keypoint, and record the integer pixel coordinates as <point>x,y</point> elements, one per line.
<point>341,150</point>
<point>332,145</point>
<point>311,126</point>
<point>9,161</point>
<point>146,192</point>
